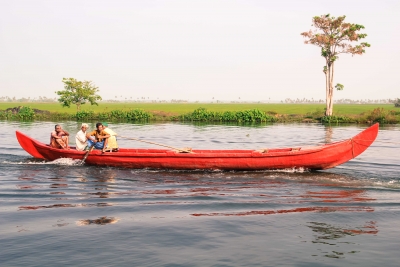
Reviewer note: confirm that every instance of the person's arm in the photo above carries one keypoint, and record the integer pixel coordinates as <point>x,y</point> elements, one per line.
<point>55,135</point>
<point>65,132</point>
<point>91,136</point>
<point>81,136</point>
<point>104,136</point>
<point>110,132</point>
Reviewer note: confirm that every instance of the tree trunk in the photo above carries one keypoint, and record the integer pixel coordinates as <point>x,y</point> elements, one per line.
<point>329,91</point>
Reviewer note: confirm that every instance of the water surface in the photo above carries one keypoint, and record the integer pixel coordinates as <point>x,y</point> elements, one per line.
<point>62,213</point>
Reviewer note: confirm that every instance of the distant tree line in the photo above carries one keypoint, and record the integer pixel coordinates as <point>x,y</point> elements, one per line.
<point>43,99</point>
<point>342,101</point>
<point>40,99</point>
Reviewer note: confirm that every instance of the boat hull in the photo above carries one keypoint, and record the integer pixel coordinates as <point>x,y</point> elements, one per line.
<point>313,158</point>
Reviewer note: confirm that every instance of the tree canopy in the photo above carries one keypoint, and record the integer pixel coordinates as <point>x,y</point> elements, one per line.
<point>78,93</point>
<point>334,36</point>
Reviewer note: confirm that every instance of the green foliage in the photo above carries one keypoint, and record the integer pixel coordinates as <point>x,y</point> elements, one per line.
<point>202,114</point>
<point>138,115</point>
<point>334,36</point>
<point>397,103</point>
<point>316,115</point>
<point>103,116</point>
<point>336,119</point>
<point>78,93</point>
<point>339,87</point>
<point>253,115</point>
<point>6,115</point>
<point>84,115</point>
<point>382,116</point>
<point>118,115</point>
<point>26,113</point>
<point>349,113</point>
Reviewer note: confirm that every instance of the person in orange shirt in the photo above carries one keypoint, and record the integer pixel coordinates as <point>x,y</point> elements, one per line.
<point>98,138</point>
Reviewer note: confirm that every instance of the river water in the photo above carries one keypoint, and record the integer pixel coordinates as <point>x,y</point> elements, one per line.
<point>61,213</point>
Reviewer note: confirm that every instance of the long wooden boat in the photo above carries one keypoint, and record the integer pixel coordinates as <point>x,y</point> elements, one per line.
<point>313,158</point>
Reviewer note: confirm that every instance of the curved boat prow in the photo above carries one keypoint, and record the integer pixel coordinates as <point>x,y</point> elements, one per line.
<point>363,140</point>
<point>27,144</point>
<point>351,148</point>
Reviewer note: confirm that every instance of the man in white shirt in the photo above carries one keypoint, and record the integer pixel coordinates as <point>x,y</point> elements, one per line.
<point>81,138</point>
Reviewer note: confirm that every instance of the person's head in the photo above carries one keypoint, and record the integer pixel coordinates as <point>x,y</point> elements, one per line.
<point>105,124</point>
<point>57,127</point>
<point>84,127</point>
<point>99,126</point>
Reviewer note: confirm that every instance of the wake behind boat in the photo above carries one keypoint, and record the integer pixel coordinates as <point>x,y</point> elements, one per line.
<point>311,158</point>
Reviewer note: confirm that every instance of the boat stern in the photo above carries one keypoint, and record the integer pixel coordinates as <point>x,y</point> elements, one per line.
<point>27,144</point>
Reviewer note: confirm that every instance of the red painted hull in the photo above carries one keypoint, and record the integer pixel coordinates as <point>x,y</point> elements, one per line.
<point>312,158</point>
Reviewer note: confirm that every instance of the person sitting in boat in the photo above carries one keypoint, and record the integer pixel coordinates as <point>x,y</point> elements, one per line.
<point>98,138</point>
<point>59,138</point>
<point>112,140</point>
<point>80,138</point>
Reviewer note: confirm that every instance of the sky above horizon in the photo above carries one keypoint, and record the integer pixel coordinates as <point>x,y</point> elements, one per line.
<point>192,50</point>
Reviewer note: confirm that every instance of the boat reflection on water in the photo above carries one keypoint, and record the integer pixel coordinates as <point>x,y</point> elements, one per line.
<point>328,134</point>
<point>327,234</point>
<point>101,182</point>
<point>27,176</point>
<point>318,200</point>
<point>99,221</point>
<point>337,196</point>
<point>80,205</point>
<point>102,175</point>
<point>237,193</point>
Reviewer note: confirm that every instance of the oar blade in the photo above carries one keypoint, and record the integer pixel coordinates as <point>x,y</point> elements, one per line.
<point>87,154</point>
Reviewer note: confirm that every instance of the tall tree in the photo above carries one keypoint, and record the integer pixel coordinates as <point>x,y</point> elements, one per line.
<point>334,37</point>
<point>78,93</point>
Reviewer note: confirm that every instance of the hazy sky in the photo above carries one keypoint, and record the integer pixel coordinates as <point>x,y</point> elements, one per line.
<point>192,50</point>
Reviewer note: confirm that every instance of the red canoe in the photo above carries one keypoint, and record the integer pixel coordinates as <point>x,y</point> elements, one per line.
<point>312,158</point>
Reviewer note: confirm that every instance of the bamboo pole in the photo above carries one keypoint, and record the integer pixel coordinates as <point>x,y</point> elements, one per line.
<point>157,144</point>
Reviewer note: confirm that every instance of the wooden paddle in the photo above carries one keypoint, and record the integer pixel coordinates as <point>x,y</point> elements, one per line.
<point>186,150</point>
<point>87,154</point>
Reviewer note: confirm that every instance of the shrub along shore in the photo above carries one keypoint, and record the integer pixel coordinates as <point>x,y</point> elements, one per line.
<point>203,112</point>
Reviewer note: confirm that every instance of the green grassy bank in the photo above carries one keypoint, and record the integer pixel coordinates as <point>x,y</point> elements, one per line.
<point>356,113</point>
<point>179,109</point>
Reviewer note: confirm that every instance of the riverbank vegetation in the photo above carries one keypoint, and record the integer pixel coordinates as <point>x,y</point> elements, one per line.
<point>173,109</point>
<point>207,112</point>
